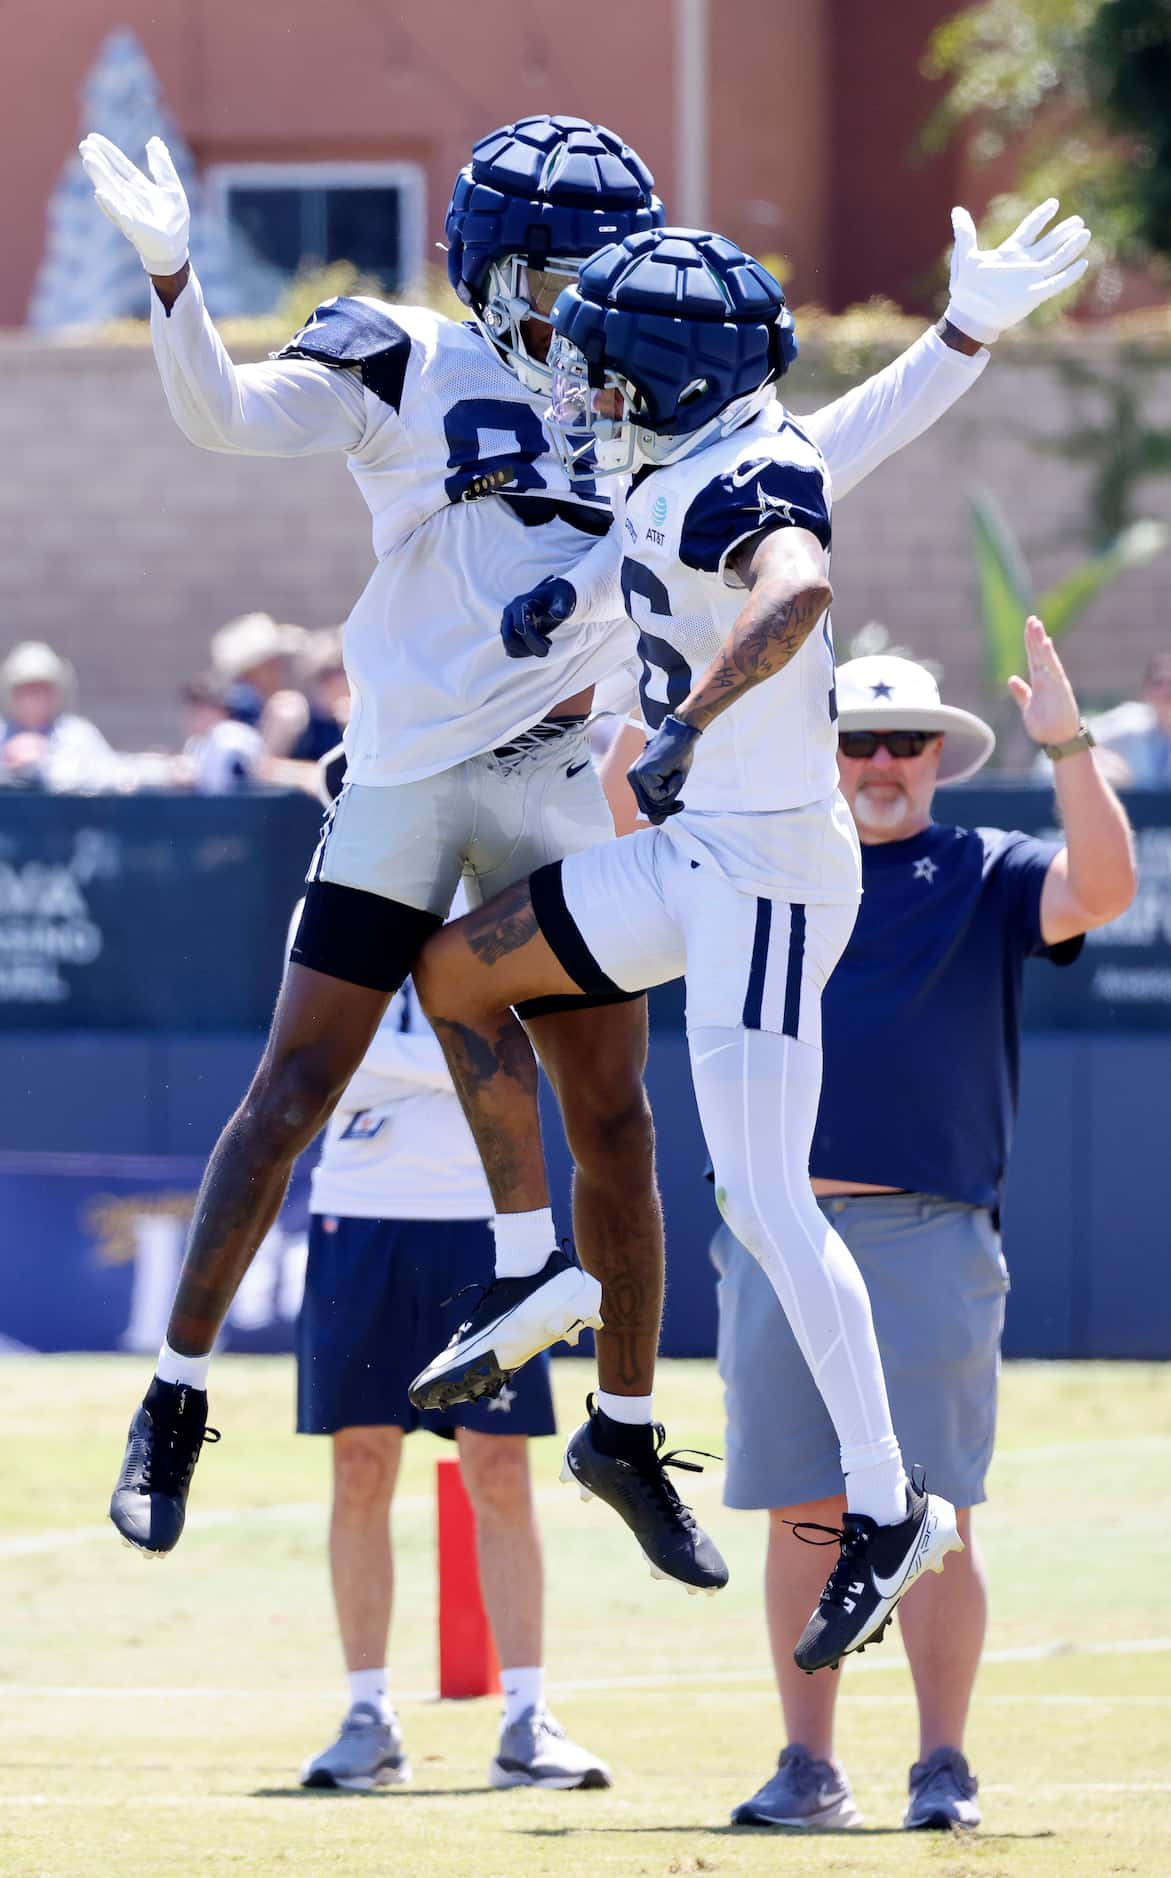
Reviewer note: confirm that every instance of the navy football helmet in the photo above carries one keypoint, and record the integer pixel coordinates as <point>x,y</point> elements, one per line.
<point>543,194</point>
<point>665,341</point>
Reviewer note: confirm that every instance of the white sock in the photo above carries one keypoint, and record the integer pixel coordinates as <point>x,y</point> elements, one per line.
<point>369,1686</point>
<point>171,1367</point>
<point>523,1242</point>
<point>634,1410</point>
<point>879,1491</point>
<point>523,1689</point>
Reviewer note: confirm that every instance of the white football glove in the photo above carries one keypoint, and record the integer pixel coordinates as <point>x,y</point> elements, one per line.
<point>151,211</point>
<point>995,288</point>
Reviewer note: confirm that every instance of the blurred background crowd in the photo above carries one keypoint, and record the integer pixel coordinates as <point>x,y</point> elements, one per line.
<point>273,699</point>
<point>270,702</point>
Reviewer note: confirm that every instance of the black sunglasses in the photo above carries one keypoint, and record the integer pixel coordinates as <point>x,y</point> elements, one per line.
<point>901,743</point>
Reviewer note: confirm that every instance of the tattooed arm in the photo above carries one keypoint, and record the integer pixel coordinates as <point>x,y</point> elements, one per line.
<point>788,591</point>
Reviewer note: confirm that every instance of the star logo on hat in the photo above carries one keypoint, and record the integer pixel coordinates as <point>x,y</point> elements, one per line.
<point>926,869</point>
<point>882,689</point>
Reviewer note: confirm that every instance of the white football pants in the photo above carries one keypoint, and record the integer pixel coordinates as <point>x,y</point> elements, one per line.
<point>757,1093</point>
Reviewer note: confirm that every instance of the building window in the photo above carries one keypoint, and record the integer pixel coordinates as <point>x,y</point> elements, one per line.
<point>281,217</point>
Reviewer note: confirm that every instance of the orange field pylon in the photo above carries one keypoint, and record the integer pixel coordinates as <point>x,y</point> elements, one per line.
<point>468,1663</point>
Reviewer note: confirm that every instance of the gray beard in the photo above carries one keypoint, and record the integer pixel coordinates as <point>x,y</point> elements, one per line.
<point>883,816</point>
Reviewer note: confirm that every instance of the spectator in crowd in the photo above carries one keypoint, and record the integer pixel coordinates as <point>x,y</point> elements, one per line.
<point>258,656</point>
<point>44,744</point>
<point>1137,737</point>
<point>399,1227</point>
<point>221,753</point>
<point>327,696</point>
<point>921,1049</point>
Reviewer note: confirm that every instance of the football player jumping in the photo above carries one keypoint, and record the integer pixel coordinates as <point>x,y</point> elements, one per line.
<point>460,761</point>
<point>666,353</point>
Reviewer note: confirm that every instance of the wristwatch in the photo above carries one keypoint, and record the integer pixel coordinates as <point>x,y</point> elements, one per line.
<point>1083,739</point>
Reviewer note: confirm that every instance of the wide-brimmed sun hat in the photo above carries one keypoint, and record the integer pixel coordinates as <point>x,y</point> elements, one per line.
<point>35,663</point>
<point>881,692</point>
<point>253,639</point>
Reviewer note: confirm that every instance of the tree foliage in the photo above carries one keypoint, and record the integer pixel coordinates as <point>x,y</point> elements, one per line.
<point>1077,91</point>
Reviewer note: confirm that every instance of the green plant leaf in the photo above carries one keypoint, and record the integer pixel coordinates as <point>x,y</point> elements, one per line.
<point>1060,605</point>
<point>1006,588</point>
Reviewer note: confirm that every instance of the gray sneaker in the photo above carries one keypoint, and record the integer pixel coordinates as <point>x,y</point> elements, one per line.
<point>943,1793</point>
<point>368,1753</point>
<point>812,1795</point>
<point>536,1752</point>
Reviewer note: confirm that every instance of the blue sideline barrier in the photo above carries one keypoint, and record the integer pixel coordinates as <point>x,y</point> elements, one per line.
<point>133,1117</point>
<point>139,941</point>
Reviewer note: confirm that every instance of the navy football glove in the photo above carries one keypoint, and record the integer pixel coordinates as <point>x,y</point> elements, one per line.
<point>661,770</point>
<point>528,620</point>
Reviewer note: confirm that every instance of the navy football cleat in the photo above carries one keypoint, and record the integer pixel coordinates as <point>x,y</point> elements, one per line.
<point>876,1566</point>
<point>149,1503</point>
<point>512,1320</point>
<point>674,1544</point>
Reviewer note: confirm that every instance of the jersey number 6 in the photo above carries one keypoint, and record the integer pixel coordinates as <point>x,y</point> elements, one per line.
<point>666,675</point>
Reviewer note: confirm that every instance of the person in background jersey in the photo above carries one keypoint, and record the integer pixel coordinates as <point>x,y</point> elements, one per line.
<point>921,1034</point>
<point>399,1226</point>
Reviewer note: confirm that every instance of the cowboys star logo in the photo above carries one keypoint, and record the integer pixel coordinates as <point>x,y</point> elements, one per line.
<point>773,505</point>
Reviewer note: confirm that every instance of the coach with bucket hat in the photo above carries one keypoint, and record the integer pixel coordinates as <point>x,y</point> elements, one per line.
<point>921,1047</point>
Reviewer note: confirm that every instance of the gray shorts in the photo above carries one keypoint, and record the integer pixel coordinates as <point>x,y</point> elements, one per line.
<point>937,1282</point>
<point>493,820</point>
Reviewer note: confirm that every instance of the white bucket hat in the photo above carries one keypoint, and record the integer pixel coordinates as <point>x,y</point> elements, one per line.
<point>880,692</point>
<point>244,643</point>
<point>35,663</point>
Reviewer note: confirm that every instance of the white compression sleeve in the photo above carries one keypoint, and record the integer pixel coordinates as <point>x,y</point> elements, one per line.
<point>885,413</point>
<point>285,407</point>
<point>757,1094</point>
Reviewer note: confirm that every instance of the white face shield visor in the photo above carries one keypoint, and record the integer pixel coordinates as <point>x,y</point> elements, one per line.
<point>596,430</point>
<point>592,426</point>
<point>517,297</point>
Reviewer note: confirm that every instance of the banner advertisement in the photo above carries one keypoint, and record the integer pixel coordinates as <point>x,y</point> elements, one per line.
<point>91,1245</point>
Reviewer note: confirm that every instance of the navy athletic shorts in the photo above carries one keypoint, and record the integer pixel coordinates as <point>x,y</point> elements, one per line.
<point>380,1301</point>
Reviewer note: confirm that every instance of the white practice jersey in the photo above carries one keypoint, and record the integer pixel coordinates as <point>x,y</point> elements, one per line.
<point>761,796</point>
<point>469,506</point>
<point>397,1145</point>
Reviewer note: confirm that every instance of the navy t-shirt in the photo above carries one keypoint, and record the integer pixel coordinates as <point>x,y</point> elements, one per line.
<point>921,1018</point>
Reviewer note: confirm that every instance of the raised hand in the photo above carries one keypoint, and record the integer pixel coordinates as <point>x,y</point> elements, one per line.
<point>150,210</point>
<point>1047,703</point>
<point>995,288</point>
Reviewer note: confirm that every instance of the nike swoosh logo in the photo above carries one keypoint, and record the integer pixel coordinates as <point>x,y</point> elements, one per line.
<point>575,769</point>
<point>744,472</point>
<point>719,1049</point>
<point>890,1587</point>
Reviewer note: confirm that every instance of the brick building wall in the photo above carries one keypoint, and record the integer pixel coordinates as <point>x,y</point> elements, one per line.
<point>126,547</point>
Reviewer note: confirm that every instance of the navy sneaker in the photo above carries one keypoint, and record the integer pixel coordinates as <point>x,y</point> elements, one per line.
<point>942,1794</point>
<point>635,1484</point>
<point>876,1566</point>
<point>149,1503</point>
<point>513,1320</point>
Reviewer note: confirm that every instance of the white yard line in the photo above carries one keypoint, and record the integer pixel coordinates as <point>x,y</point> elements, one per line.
<point>62,1801</point>
<point>667,1680</point>
<point>1061,1450</point>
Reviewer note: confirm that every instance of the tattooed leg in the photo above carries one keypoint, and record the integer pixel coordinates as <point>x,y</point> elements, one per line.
<point>321,1031</point>
<point>468,976</point>
<point>595,1059</point>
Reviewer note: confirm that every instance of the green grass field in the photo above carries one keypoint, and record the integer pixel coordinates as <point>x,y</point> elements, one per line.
<point>153,1717</point>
